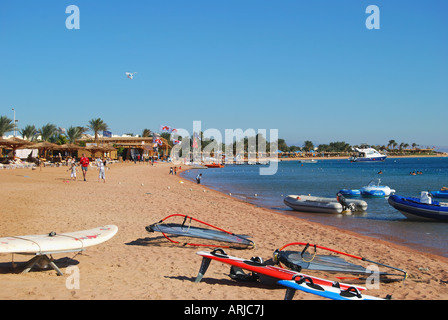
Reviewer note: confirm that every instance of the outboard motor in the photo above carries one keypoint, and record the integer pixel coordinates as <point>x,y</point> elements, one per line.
<point>344,203</point>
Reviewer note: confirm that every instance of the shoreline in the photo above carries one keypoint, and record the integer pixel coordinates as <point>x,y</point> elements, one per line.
<point>346,158</point>
<point>138,265</point>
<point>289,214</point>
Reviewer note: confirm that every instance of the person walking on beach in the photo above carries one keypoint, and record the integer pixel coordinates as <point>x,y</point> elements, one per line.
<point>84,165</point>
<point>102,173</point>
<point>175,171</point>
<point>73,170</point>
<point>198,178</point>
<point>171,170</point>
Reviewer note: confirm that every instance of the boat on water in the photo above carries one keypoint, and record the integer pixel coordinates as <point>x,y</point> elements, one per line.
<point>323,205</point>
<point>214,165</point>
<point>420,209</point>
<point>439,193</point>
<point>366,154</point>
<point>349,193</point>
<point>308,161</point>
<point>375,190</point>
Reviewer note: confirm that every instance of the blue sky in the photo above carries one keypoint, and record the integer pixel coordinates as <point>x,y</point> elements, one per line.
<point>310,69</point>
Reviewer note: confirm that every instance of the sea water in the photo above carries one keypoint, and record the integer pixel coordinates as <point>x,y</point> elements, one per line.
<point>326,177</point>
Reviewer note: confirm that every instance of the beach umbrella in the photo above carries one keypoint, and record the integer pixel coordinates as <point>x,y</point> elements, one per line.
<point>14,143</point>
<point>108,148</point>
<point>45,146</point>
<point>94,149</point>
<point>70,147</point>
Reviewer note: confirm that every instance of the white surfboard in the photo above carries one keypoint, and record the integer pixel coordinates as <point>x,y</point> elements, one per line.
<point>53,243</point>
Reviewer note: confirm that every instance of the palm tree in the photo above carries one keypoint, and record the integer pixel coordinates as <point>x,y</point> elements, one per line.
<point>47,131</point>
<point>74,133</point>
<point>281,144</point>
<point>308,146</point>
<point>146,133</point>
<point>97,125</point>
<point>6,125</point>
<point>394,145</point>
<point>391,143</point>
<point>29,132</point>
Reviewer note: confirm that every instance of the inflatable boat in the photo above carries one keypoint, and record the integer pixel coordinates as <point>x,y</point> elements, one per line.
<point>374,190</point>
<point>350,192</point>
<point>416,209</point>
<point>322,205</point>
<point>440,194</point>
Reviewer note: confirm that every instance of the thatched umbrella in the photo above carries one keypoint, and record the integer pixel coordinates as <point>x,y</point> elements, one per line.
<point>70,147</point>
<point>108,148</point>
<point>14,143</point>
<point>94,149</point>
<point>45,146</point>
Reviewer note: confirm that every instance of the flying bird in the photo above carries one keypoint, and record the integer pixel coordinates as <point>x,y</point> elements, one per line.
<point>130,75</point>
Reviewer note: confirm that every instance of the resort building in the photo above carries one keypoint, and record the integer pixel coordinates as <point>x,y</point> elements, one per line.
<point>126,148</point>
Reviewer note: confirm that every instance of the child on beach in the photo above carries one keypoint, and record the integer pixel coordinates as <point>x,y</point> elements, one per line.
<point>73,170</point>
<point>198,178</point>
<point>102,173</point>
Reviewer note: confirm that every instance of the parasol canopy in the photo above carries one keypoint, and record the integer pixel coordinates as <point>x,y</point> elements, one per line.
<point>44,145</point>
<point>94,149</point>
<point>108,148</point>
<point>14,143</point>
<point>70,147</point>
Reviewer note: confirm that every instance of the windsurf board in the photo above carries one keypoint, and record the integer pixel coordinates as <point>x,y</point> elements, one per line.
<point>261,268</point>
<point>309,285</point>
<point>54,242</point>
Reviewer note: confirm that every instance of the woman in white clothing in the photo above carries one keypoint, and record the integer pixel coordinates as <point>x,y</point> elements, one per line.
<point>102,174</point>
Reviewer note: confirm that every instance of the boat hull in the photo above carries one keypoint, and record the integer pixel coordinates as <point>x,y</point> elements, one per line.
<point>320,205</point>
<point>413,209</point>
<point>350,192</point>
<point>308,204</point>
<point>376,191</point>
<point>440,194</point>
<point>373,193</point>
<point>367,159</point>
<point>214,165</point>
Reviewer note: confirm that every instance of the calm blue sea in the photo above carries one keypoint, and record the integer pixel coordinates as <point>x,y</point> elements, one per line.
<point>327,177</point>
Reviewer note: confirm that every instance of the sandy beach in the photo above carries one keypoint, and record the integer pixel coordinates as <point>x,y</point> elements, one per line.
<point>138,265</point>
